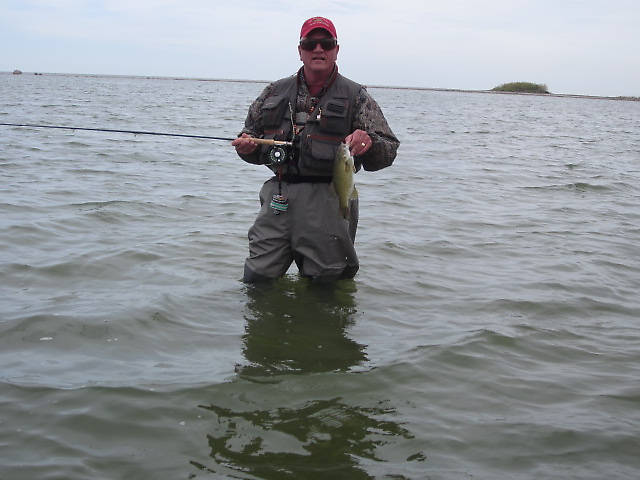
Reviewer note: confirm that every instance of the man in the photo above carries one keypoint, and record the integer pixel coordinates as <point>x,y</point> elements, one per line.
<point>315,109</point>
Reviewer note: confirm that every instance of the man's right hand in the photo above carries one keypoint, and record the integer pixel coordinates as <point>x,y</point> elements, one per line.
<point>244,144</point>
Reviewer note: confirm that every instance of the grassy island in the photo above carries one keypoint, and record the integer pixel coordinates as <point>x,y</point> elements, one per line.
<point>522,87</point>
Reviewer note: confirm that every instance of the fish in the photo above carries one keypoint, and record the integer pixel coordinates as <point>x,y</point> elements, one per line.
<point>343,183</point>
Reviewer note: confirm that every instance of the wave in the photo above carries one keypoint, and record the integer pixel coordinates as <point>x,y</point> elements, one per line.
<point>581,187</point>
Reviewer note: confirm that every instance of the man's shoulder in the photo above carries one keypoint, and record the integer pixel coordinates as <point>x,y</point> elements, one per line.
<point>349,82</point>
<point>283,82</point>
<point>356,89</point>
<point>276,87</point>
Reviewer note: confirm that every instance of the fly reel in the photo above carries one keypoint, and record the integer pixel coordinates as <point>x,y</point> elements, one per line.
<point>277,155</point>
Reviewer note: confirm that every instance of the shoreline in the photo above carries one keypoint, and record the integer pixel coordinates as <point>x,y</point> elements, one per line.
<point>385,87</point>
<point>495,92</point>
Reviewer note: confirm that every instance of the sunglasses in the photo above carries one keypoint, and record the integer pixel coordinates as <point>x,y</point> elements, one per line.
<point>309,44</point>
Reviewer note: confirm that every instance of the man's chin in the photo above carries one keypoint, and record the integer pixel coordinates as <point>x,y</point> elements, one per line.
<point>318,67</point>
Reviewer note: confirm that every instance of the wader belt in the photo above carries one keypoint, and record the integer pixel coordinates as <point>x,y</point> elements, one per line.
<point>305,178</point>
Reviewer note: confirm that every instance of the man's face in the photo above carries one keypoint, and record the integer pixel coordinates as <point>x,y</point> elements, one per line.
<point>319,60</point>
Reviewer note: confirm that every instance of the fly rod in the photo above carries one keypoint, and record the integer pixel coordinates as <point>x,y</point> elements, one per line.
<point>261,141</point>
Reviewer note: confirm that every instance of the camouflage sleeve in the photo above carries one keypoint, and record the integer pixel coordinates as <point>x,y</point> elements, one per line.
<point>368,117</point>
<point>253,124</point>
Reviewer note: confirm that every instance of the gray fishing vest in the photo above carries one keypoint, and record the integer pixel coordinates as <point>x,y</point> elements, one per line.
<point>328,124</point>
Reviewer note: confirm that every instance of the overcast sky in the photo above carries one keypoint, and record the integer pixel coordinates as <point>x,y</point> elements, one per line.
<point>584,47</point>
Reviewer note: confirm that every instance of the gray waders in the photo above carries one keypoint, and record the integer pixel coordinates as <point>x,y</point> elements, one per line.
<point>311,232</point>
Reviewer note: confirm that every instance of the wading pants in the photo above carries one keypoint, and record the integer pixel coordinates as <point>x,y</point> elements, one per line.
<point>312,232</point>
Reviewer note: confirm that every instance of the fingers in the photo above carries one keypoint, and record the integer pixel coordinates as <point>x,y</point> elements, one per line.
<point>244,144</point>
<point>359,142</point>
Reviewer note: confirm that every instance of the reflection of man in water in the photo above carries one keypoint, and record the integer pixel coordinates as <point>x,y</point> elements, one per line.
<point>301,331</point>
<point>258,431</point>
<point>321,439</point>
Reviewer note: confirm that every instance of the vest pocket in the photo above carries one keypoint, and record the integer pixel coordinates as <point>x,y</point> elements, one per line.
<point>274,120</point>
<point>334,116</point>
<point>323,151</point>
<point>273,110</point>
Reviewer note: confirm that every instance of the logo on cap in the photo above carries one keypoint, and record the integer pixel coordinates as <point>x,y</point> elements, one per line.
<point>318,22</point>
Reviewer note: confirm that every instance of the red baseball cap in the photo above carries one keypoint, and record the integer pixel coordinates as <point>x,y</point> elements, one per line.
<point>318,22</point>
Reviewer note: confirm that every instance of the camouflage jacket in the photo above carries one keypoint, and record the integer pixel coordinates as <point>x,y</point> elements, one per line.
<point>366,116</point>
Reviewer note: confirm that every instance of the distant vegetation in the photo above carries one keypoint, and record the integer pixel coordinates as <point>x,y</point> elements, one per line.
<point>524,87</point>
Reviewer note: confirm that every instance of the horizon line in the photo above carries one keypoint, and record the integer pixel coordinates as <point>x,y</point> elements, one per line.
<point>385,87</point>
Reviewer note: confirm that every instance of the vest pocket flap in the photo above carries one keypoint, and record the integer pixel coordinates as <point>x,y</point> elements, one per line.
<point>337,106</point>
<point>334,118</point>
<point>272,102</point>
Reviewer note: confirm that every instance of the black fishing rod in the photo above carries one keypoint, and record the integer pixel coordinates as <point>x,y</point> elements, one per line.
<point>111,130</point>
<point>141,132</point>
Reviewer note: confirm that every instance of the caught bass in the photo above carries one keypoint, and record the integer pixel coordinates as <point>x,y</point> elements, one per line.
<point>343,171</point>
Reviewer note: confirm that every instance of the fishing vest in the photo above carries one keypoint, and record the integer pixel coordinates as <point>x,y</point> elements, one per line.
<point>328,124</point>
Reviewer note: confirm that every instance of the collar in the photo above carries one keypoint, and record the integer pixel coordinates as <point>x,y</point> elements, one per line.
<point>327,84</point>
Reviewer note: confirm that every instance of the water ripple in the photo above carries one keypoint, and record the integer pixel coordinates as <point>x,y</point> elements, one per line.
<point>491,331</point>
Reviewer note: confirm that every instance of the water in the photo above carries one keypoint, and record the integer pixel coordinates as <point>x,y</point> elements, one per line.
<point>492,331</point>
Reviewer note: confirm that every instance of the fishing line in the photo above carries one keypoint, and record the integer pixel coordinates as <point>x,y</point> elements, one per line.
<point>110,130</point>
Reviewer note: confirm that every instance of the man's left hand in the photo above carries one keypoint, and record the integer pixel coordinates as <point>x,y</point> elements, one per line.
<point>359,142</point>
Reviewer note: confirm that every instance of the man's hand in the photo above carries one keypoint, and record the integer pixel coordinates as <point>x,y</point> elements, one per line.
<point>359,142</point>
<point>244,144</point>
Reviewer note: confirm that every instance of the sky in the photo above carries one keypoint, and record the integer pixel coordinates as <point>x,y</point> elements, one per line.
<point>587,47</point>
